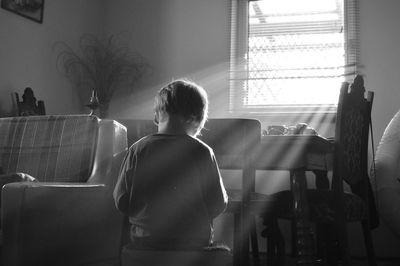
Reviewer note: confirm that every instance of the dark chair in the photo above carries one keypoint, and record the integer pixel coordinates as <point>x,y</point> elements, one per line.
<point>332,208</point>
<point>234,141</point>
<point>68,216</point>
<point>29,105</point>
<point>135,257</point>
<point>136,129</point>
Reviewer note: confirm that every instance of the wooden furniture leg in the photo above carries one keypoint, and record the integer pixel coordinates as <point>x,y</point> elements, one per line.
<point>305,244</point>
<point>254,242</point>
<point>325,243</point>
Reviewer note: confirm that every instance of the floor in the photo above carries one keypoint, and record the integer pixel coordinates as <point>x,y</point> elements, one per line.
<point>356,261</point>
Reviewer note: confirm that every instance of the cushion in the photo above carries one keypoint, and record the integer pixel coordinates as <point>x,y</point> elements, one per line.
<point>14,177</point>
<point>321,204</point>
<point>50,148</point>
<point>259,203</point>
<point>208,256</point>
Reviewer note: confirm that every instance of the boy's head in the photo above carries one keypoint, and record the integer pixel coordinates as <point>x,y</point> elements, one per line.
<point>184,100</point>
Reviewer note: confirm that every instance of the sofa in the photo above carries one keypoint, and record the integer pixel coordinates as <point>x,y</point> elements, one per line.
<point>67,216</point>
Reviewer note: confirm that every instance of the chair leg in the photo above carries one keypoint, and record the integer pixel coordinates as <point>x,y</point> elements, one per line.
<point>294,238</point>
<point>275,243</point>
<point>236,241</point>
<point>369,244</point>
<point>321,241</point>
<point>254,242</point>
<point>341,230</point>
<point>328,251</point>
<point>280,245</point>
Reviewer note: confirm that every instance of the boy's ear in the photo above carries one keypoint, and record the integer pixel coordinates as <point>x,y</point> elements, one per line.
<point>188,120</point>
<point>155,119</point>
<point>159,116</point>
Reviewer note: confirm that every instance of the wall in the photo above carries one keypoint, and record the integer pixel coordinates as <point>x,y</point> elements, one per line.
<point>28,58</point>
<point>179,38</point>
<point>380,38</point>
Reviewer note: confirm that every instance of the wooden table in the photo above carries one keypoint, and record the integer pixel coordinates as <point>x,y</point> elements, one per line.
<point>296,154</point>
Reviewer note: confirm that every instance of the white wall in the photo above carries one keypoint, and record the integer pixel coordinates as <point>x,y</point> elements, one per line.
<point>28,58</point>
<point>380,38</point>
<point>180,38</point>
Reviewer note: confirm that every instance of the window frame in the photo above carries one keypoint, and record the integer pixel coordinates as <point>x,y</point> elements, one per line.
<point>239,22</point>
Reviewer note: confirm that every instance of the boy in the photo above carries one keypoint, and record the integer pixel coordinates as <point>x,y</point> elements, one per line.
<point>169,183</point>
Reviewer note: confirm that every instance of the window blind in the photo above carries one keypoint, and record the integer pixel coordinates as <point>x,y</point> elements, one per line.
<point>291,55</point>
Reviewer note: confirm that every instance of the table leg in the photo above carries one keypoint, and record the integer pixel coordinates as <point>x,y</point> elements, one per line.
<point>240,242</point>
<point>305,243</point>
<point>236,240</point>
<point>321,179</point>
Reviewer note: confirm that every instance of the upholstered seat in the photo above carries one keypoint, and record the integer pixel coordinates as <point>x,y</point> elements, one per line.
<point>321,204</point>
<point>232,141</point>
<point>212,257</point>
<point>68,216</point>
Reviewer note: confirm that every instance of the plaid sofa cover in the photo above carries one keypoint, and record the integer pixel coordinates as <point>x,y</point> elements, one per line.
<point>57,148</point>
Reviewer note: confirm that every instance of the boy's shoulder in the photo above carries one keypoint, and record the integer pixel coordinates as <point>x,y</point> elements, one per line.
<point>158,139</point>
<point>203,144</point>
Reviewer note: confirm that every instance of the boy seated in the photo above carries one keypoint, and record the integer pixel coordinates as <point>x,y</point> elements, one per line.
<point>169,183</point>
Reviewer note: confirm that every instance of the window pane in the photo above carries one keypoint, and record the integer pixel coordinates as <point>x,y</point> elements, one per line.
<point>296,52</point>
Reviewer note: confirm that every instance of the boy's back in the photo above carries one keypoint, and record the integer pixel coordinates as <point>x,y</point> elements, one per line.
<point>169,184</point>
<point>175,191</point>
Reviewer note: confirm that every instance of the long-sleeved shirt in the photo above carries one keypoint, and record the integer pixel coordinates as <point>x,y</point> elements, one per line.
<point>171,189</point>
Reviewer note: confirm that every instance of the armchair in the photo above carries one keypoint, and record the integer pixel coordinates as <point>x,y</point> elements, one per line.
<point>68,217</point>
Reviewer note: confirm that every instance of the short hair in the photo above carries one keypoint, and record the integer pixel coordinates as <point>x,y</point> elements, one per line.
<point>185,98</point>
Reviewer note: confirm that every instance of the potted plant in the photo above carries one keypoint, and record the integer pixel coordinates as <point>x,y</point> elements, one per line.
<point>101,66</point>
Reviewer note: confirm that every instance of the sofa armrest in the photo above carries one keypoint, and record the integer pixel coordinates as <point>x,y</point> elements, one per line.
<point>58,224</point>
<point>110,152</point>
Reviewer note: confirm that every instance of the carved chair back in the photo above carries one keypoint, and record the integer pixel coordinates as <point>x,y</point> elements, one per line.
<point>352,134</point>
<point>29,106</point>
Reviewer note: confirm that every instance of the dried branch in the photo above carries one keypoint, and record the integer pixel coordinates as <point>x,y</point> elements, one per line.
<point>106,65</point>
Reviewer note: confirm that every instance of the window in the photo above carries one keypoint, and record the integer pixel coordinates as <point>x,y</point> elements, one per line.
<point>291,55</point>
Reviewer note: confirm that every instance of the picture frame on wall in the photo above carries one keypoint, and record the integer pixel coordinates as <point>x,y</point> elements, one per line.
<point>31,9</point>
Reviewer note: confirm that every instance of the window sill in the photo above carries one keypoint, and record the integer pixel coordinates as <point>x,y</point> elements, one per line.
<point>322,119</point>
<point>287,111</point>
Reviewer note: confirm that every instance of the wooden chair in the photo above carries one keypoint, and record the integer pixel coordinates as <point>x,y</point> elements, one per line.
<point>138,128</point>
<point>332,208</point>
<point>234,141</point>
<point>29,106</point>
<point>211,256</point>
<point>135,257</point>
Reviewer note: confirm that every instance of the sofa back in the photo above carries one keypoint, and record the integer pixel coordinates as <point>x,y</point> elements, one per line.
<point>57,148</point>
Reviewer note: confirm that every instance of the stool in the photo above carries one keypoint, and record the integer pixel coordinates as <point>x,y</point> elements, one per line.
<point>134,257</point>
